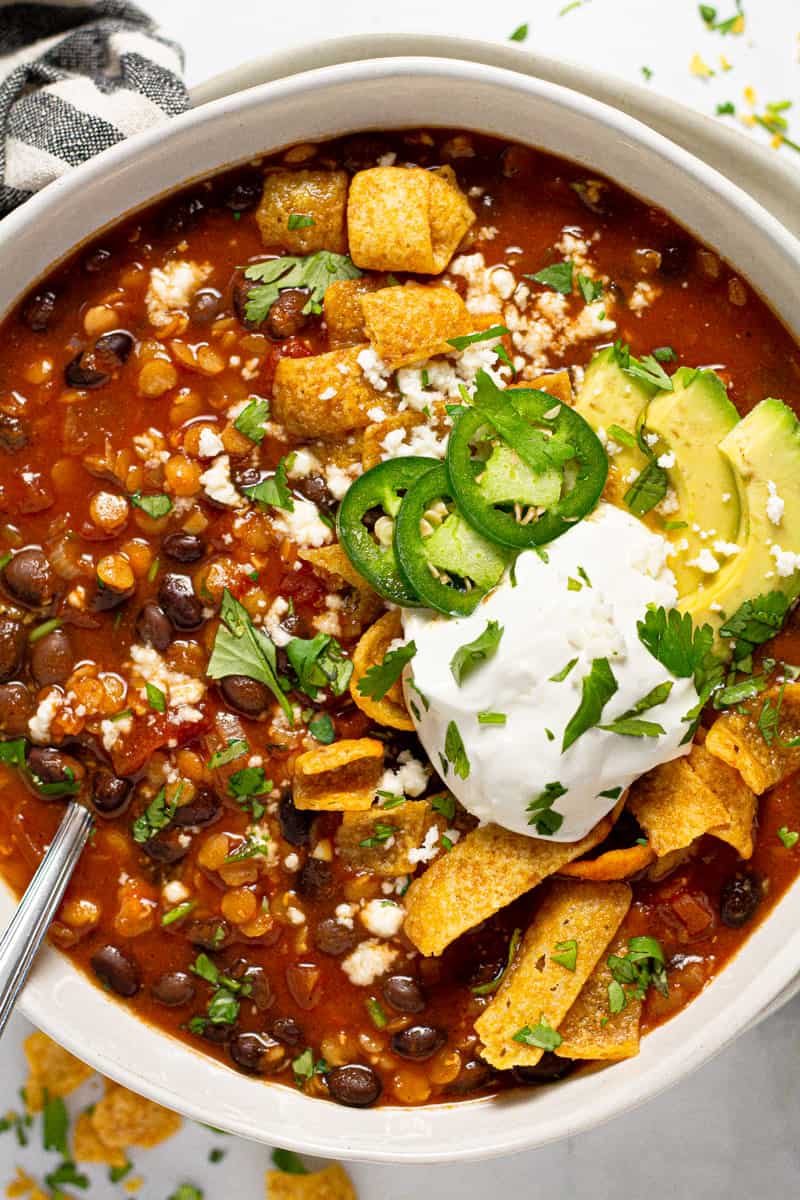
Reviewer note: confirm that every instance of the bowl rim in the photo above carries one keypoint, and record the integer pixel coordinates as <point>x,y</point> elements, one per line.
<point>395,1134</point>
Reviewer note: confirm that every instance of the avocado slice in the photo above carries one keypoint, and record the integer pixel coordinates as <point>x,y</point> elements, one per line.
<point>690,422</point>
<point>763,448</point>
<point>609,396</point>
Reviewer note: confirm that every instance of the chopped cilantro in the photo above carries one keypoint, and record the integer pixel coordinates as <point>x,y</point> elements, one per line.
<point>315,272</point>
<point>647,490</point>
<point>187,1191</point>
<point>542,814</point>
<point>12,753</point>
<point>557,277</point>
<point>246,785</point>
<point>233,750</point>
<point>242,649</point>
<point>755,622</point>
<point>445,805</point>
<point>273,491</point>
<point>322,729</point>
<point>455,752</point>
<point>156,505</point>
<point>486,989</point>
<point>597,688</point>
<point>116,1174</point>
<point>68,1174</point>
<point>647,368</point>
<point>733,24</point>
<point>519,34</point>
<point>643,966</point>
<point>288,1162</point>
<point>789,837</point>
<point>629,724</point>
<point>304,1067</point>
<point>561,675</point>
<point>622,436</point>
<point>568,954</point>
<point>156,816</point>
<point>472,654</point>
<point>319,662</point>
<point>376,1013</point>
<point>178,913</point>
<point>673,640</point>
<point>379,679</point>
<point>55,1124</point>
<point>492,718</point>
<point>542,1036</point>
<point>664,354</point>
<point>155,697</point>
<point>380,834</point>
<point>251,420</point>
<point>590,289</point>
<point>611,793</point>
<point>485,335</point>
<point>647,73</point>
<point>300,221</point>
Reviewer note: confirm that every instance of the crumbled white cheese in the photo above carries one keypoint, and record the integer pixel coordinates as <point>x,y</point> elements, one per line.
<point>174,892</point>
<point>209,444</point>
<point>374,369</point>
<point>295,915</point>
<point>302,463</point>
<point>339,479</point>
<point>666,461</point>
<point>112,731</point>
<point>39,724</point>
<point>388,159</point>
<point>786,562</point>
<point>428,849</point>
<point>669,504</point>
<point>423,440</point>
<point>171,288</point>
<point>651,439</point>
<point>383,918</point>
<point>409,779</point>
<point>344,914</point>
<point>328,394</point>
<point>218,485</point>
<point>303,525</point>
<point>272,621</point>
<point>726,549</point>
<point>292,861</point>
<point>368,962</point>
<point>775,505</point>
<point>705,562</point>
<point>179,690</point>
<point>642,296</point>
<point>376,414</point>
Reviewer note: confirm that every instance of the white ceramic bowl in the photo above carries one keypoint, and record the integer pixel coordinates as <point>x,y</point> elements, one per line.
<point>397,93</point>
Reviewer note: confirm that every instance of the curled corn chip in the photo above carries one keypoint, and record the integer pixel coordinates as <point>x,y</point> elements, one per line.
<point>22,1185</point>
<point>370,652</point>
<point>381,839</point>
<point>89,1147</point>
<point>737,739</point>
<point>333,564</point>
<point>342,777</point>
<point>52,1070</point>
<point>614,864</point>
<point>412,323</point>
<point>589,1030</point>
<point>331,1184</point>
<point>555,383</point>
<point>374,435</point>
<point>123,1119</point>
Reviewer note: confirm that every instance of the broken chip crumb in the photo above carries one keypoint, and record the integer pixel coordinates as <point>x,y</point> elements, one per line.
<point>333,1183</point>
<point>23,1185</point>
<point>124,1119</point>
<point>52,1070</point>
<point>89,1147</point>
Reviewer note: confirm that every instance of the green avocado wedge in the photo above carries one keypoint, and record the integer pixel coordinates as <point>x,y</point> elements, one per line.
<point>609,396</point>
<point>763,449</point>
<point>690,422</point>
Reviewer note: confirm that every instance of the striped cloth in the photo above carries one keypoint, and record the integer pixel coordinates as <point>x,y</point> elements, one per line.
<point>76,77</point>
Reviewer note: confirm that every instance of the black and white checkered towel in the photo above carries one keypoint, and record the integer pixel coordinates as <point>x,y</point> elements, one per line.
<point>76,77</point>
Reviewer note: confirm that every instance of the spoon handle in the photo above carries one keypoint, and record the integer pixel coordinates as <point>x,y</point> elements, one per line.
<point>36,909</point>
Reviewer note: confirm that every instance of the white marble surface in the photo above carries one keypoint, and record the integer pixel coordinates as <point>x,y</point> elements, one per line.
<point>731,1129</point>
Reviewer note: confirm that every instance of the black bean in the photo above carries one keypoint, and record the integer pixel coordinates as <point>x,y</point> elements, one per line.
<point>403,993</point>
<point>12,647</point>
<point>246,695</point>
<point>363,150</point>
<point>106,599</point>
<point>315,880</point>
<point>182,215</point>
<point>549,1068</point>
<point>286,317</point>
<point>177,597</point>
<point>739,899</point>
<point>96,260</point>
<point>218,1034</point>
<point>173,989</point>
<point>153,627</point>
<point>287,1031</point>
<point>418,1042</point>
<point>675,259</point>
<point>295,823</point>
<point>209,934</point>
<point>50,766</point>
<point>30,579</point>
<point>14,433</point>
<point>355,1085</point>
<point>116,970</point>
<point>16,708</point>
<point>206,306</point>
<point>244,195</point>
<point>80,374</point>
<point>165,849</point>
<point>315,489</point>
<point>240,294</point>
<point>248,1049</point>
<point>331,937</point>
<point>202,809</point>
<point>248,476</point>
<point>473,1075</point>
<point>110,793</point>
<point>38,311</point>
<point>183,547</point>
<point>116,345</point>
<point>260,994</point>
<point>52,658</point>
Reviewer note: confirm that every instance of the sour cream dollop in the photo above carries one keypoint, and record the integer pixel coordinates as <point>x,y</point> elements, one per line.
<point>583,603</point>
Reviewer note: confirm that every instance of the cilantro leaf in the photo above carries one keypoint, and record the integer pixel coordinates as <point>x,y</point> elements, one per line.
<point>542,814</point>
<point>538,451</point>
<point>647,490</point>
<point>629,723</point>
<point>492,718</point>
<point>322,729</point>
<point>251,420</point>
<point>55,1125</point>
<point>647,368</point>
<point>542,1036</point>
<point>755,621</point>
<point>455,751</point>
<point>300,221</point>
<point>319,662</point>
<point>314,272</point>
<point>519,34</point>
<point>664,354</point>
<point>590,289</point>
<point>568,956</point>
<point>241,649</point>
<point>673,640</point>
<point>156,816</point>
<point>12,753</point>
<point>155,697</point>
<point>234,749</point>
<point>472,654</point>
<point>156,505</point>
<point>597,689</point>
<point>288,1162</point>
<point>618,434</point>
<point>485,335</point>
<point>273,491</point>
<point>557,277</point>
<point>246,785</point>
<point>377,681</point>
<point>486,989</point>
<point>561,675</point>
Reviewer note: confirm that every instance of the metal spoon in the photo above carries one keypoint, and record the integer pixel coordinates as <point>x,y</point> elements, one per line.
<point>23,937</point>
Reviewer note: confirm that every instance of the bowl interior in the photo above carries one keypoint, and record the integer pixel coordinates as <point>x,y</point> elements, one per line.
<point>395,93</point>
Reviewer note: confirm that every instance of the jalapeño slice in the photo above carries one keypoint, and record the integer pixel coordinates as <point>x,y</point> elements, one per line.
<point>541,466</point>
<point>366,524</point>
<point>449,565</point>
